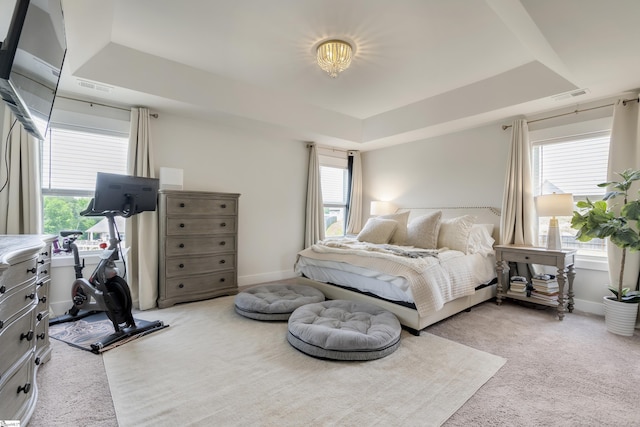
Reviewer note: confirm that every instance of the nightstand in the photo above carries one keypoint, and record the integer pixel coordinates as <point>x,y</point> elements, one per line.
<point>563,260</point>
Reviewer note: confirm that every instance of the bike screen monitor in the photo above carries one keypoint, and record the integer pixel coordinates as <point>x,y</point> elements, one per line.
<point>125,194</point>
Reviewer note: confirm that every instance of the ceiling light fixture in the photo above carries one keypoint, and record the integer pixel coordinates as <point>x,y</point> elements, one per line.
<point>334,56</point>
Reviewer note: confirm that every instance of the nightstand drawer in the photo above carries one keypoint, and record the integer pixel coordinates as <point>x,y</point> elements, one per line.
<point>529,258</point>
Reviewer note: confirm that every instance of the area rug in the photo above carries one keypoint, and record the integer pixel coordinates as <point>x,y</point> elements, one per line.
<point>215,367</point>
<point>85,333</point>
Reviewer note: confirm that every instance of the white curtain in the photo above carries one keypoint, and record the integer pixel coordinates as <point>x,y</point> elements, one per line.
<point>142,229</point>
<point>624,153</point>
<point>354,221</point>
<point>517,224</point>
<point>20,191</point>
<point>314,220</point>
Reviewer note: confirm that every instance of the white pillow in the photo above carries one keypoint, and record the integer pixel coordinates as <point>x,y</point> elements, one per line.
<point>422,232</point>
<point>454,233</point>
<point>377,230</point>
<point>480,240</point>
<point>399,236</point>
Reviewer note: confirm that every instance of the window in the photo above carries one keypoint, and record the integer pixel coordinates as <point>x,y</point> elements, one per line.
<point>71,157</point>
<point>571,165</point>
<point>334,195</point>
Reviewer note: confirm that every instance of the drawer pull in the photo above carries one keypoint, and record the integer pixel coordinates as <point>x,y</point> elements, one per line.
<point>1,324</point>
<point>43,299</point>
<point>41,261</point>
<point>526,257</point>
<point>30,296</point>
<point>37,361</point>
<point>45,271</point>
<point>44,253</point>
<point>32,270</point>
<point>181,265</point>
<point>40,336</point>
<point>182,205</point>
<point>223,206</point>
<point>222,261</point>
<point>26,388</point>
<point>40,284</point>
<point>28,336</point>
<point>181,245</point>
<point>181,285</point>
<point>39,317</point>
<point>181,225</point>
<point>223,243</point>
<point>2,289</point>
<point>222,280</point>
<point>223,224</point>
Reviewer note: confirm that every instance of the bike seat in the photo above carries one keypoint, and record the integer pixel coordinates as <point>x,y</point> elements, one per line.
<point>66,233</point>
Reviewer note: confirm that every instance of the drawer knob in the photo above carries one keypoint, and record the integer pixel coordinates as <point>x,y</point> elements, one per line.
<point>45,271</point>
<point>223,224</point>
<point>32,270</point>
<point>2,289</point>
<point>28,336</point>
<point>223,243</point>
<point>40,284</point>
<point>41,261</point>
<point>39,317</point>
<point>526,257</point>
<point>43,299</point>
<point>181,285</point>
<point>222,261</point>
<point>181,265</point>
<point>37,361</point>
<point>181,245</point>
<point>25,388</point>
<point>182,205</point>
<point>1,324</point>
<point>44,253</point>
<point>223,206</point>
<point>30,296</point>
<point>40,336</point>
<point>221,279</point>
<point>181,225</point>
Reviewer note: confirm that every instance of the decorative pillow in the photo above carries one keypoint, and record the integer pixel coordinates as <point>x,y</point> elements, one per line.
<point>480,240</point>
<point>400,235</point>
<point>422,232</point>
<point>377,230</point>
<point>454,233</point>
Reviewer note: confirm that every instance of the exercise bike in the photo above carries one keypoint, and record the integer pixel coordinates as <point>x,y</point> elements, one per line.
<point>106,290</point>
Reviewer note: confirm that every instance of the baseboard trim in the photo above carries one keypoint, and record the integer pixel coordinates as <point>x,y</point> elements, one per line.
<point>244,281</point>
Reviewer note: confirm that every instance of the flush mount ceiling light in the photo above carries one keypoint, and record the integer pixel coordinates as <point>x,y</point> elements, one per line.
<point>334,56</point>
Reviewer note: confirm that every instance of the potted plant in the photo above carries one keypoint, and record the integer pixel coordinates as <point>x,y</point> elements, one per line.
<point>600,220</point>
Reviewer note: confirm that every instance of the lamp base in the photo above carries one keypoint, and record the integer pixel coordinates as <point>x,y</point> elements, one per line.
<point>553,238</point>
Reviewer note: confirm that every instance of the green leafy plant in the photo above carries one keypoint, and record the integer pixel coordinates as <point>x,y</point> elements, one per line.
<point>601,220</point>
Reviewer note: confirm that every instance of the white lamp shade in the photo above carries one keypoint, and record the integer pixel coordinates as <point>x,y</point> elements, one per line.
<point>382,208</point>
<point>555,204</point>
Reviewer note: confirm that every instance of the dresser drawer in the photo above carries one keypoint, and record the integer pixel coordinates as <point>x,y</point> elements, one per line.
<point>182,205</point>
<point>199,264</point>
<point>17,390</point>
<point>182,245</point>
<point>18,274</point>
<point>17,339</point>
<point>15,301</point>
<point>200,284</point>
<point>200,226</point>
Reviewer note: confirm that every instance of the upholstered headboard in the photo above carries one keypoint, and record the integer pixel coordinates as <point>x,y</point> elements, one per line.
<point>484,215</point>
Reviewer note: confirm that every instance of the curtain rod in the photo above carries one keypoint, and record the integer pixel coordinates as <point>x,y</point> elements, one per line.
<point>624,102</point>
<point>92,103</point>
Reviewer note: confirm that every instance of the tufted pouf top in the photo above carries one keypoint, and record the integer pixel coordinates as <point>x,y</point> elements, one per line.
<point>275,301</point>
<point>344,330</point>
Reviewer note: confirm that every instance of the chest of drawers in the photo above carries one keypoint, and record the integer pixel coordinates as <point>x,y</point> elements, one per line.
<point>198,245</point>
<point>25,263</point>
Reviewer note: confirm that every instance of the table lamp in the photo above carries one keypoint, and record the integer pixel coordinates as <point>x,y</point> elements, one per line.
<point>382,208</point>
<point>554,205</point>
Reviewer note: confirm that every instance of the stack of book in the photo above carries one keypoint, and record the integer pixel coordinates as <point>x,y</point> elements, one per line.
<point>545,288</point>
<point>518,286</point>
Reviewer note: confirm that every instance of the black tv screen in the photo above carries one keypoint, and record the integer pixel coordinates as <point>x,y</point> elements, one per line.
<point>31,58</point>
<point>125,193</point>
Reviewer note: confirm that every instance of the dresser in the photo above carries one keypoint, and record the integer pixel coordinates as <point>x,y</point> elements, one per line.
<point>25,265</point>
<point>198,246</point>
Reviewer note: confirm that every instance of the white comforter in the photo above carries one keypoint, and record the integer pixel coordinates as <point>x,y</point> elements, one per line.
<point>434,276</point>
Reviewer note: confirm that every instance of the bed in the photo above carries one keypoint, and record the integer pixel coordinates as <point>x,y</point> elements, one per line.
<point>435,262</point>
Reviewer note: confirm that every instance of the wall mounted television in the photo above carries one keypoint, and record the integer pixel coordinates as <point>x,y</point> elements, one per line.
<point>31,58</point>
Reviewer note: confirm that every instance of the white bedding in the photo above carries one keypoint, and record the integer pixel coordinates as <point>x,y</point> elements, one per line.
<point>427,278</point>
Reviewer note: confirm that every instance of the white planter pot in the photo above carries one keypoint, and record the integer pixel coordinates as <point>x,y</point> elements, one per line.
<point>620,317</point>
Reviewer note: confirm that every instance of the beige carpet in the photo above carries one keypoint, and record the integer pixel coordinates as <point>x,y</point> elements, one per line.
<point>214,367</point>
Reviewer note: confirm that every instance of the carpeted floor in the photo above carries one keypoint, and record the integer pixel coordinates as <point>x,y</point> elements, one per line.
<point>570,373</point>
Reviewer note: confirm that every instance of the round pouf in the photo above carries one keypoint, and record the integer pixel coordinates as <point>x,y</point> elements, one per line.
<point>344,330</point>
<point>275,301</point>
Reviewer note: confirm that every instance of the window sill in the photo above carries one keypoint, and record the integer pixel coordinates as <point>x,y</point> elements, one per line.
<point>592,262</point>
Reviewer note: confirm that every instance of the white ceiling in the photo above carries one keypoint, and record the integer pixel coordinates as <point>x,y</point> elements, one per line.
<point>421,67</point>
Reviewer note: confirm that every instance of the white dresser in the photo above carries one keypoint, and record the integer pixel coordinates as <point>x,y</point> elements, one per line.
<point>25,265</point>
<point>198,245</point>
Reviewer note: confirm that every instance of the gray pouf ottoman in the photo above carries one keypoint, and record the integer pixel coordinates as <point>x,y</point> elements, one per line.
<point>344,330</point>
<point>275,301</point>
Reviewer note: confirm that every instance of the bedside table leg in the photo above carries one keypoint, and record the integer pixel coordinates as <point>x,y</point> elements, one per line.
<point>500,271</point>
<point>561,277</point>
<point>570,276</point>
